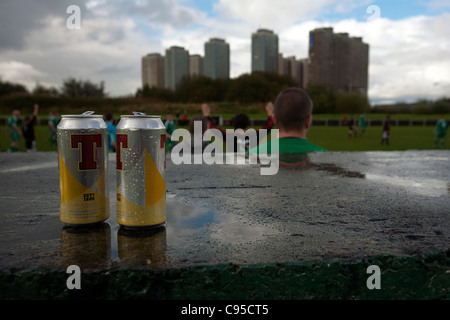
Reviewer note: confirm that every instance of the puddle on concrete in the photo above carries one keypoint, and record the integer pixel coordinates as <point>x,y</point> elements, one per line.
<point>420,172</point>
<point>424,173</point>
<point>188,229</point>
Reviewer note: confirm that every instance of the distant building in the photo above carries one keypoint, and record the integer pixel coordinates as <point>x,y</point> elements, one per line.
<point>153,70</point>
<point>338,61</point>
<point>176,66</point>
<point>303,72</point>
<point>265,51</point>
<point>296,69</point>
<point>196,62</point>
<point>217,59</point>
<point>291,69</point>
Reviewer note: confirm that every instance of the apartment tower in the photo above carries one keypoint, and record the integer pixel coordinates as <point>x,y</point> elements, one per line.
<point>265,51</point>
<point>153,70</point>
<point>196,65</point>
<point>217,59</point>
<point>176,66</point>
<point>338,61</point>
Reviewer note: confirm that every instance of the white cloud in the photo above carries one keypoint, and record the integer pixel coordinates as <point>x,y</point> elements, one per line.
<point>20,72</point>
<point>438,4</point>
<point>408,57</point>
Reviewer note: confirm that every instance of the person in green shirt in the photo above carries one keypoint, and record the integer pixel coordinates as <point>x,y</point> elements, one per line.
<point>170,128</point>
<point>52,127</point>
<point>363,124</point>
<point>292,115</point>
<point>440,132</point>
<point>14,131</point>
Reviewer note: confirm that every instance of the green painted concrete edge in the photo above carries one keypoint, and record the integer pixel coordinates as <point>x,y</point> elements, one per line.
<point>420,277</point>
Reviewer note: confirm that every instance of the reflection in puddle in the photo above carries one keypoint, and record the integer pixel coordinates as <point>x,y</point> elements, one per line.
<point>187,237</point>
<point>86,246</point>
<point>142,247</point>
<point>185,221</point>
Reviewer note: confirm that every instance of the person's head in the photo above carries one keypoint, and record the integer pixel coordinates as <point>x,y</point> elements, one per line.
<point>108,117</point>
<point>240,121</point>
<point>206,110</point>
<point>169,116</point>
<point>293,110</point>
<point>269,108</point>
<point>16,113</point>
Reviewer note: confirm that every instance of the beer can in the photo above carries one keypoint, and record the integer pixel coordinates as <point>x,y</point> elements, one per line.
<point>140,167</point>
<point>83,169</point>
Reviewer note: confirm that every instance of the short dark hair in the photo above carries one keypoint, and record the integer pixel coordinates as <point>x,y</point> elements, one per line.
<point>198,118</point>
<point>240,121</point>
<point>292,107</point>
<point>108,116</point>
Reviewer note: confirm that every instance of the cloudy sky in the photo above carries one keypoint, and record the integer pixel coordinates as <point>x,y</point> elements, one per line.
<point>409,39</point>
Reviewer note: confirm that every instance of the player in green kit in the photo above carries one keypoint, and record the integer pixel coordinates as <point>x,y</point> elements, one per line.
<point>52,126</point>
<point>14,131</point>
<point>363,124</point>
<point>293,115</point>
<point>440,132</point>
<point>170,128</point>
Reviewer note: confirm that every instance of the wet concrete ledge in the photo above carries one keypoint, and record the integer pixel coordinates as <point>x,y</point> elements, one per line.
<point>305,233</point>
<point>417,277</point>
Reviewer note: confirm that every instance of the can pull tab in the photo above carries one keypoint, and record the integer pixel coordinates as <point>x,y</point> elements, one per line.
<point>87,113</point>
<point>136,113</point>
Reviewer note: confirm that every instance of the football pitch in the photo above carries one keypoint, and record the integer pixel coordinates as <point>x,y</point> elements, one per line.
<point>401,138</point>
<point>332,138</point>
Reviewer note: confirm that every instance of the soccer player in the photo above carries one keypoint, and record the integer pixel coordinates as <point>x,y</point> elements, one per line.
<point>52,126</point>
<point>363,124</point>
<point>14,131</point>
<point>440,132</point>
<point>170,128</point>
<point>241,121</point>
<point>352,129</point>
<point>293,115</point>
<point>112,143</point>
<point>28,130</point>
<point>386,130</point>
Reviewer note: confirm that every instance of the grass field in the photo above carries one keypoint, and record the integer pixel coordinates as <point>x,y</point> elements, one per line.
<point>401,138</point>
<point>332,138</point>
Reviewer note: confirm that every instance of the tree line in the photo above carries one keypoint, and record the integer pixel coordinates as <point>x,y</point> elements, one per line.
<point>257,87</point>
<point>71,88</point>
